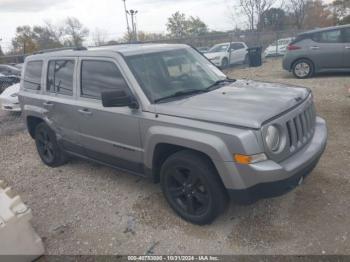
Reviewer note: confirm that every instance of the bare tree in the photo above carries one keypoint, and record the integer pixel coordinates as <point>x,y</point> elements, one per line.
<point>75,32</point>
<point>298,9</point>
<point>99,37</point>
<point>254,10</point>
<point>55,31</point>
<point>248,7</point>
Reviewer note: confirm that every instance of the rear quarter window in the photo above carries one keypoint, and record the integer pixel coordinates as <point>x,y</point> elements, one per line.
<point>32,75</point>
<point>333,36</point>
<point>347,35</point>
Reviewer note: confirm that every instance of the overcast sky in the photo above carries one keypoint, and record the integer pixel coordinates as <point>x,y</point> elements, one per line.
<point>109,14</point>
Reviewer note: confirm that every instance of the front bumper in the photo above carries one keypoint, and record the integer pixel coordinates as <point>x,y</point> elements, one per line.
<point>11,107</point>
<point>216,62</point>
<point>268,178</point>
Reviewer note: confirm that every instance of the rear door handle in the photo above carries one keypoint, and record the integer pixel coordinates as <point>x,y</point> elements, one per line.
<point>347,47</point>
<point>314,47</point>
<point>48,104</point>
<point>85,112</point>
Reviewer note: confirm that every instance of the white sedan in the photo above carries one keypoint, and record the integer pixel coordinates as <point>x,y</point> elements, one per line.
<point>278,48</point>
<point>9,99</point>
<point>226,54</point>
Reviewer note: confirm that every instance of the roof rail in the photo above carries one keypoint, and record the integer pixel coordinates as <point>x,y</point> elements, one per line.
<point>74,48</point>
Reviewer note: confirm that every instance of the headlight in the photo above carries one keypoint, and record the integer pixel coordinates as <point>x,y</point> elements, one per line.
<point>273,138</point>
<point>14,95</point>
<point>215,58</point>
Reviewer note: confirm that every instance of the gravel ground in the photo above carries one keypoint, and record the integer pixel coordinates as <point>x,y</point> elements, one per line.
<point>84,208</point>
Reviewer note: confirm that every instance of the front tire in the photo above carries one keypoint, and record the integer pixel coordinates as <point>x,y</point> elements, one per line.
<point>46,143</point>
<point>303,69</point>
<point>192,187</point>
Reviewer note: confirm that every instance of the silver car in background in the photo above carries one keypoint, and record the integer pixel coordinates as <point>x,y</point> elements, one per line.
<point>318,51</point>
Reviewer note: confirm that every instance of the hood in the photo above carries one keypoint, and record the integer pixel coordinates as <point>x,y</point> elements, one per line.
<point>215,54</point>
<point>11,90</point>
<point>242,103</point>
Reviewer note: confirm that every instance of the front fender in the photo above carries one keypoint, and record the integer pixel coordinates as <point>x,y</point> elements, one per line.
<point>208,144</point>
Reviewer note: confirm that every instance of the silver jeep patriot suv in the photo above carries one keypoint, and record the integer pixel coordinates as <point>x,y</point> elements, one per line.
<point>165,112</point>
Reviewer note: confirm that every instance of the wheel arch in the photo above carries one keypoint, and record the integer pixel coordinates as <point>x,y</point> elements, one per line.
<point>32,122</point>
<point>302,58</point>
<point>165,141</point>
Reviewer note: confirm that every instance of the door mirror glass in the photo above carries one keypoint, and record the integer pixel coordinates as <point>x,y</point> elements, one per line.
<point>117,98</point>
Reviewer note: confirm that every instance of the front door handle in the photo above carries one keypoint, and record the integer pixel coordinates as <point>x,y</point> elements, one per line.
<point>347,47</point>
<point>48,104</point>
<point>85,111</point>
<point>314,47</point>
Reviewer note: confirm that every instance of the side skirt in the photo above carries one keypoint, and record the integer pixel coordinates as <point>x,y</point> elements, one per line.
<point>111,161</point>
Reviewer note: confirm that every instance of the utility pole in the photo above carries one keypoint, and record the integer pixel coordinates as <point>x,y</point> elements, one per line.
<point>126,16</point>
<point>133,14</point>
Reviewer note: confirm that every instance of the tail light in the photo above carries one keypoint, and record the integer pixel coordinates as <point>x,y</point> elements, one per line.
<point>293,47</point>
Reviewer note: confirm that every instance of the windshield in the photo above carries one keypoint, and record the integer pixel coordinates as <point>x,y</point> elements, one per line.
<point>165,74</point>
<point>218,48</point>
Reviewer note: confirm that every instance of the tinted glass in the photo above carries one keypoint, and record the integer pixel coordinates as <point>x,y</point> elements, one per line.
<point>98,76</point>
<point>347,35</point>
<point>32,75</point>
<point>237,46</point>
<point>60,77</point>
<point>219,48</point>
<point>333,36</point>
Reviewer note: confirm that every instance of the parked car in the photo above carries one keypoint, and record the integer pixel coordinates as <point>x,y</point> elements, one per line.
<point>320,50</point>
<point>9,99</point>
<point>278,48</point>
<point>19,66</point>
<point>203,50</point>
<point>226,54</point>
<point>9,70</point>
<point>165,112</point>
<point>7,80</point>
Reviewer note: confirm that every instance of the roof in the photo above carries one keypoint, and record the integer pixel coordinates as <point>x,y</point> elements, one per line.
<point>317,30</point>
<point>125,49</point>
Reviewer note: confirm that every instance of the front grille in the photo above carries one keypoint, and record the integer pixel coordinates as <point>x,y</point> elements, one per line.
<point>301,128</point>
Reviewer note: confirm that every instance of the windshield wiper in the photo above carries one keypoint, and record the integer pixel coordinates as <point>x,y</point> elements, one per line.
<point>219,84</point>
<point>181,93</point>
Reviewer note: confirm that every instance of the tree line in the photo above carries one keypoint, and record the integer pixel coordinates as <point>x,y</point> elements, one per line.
<point>259,16</point>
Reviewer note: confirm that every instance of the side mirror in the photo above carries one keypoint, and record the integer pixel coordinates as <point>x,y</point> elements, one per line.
<point>118,98</point>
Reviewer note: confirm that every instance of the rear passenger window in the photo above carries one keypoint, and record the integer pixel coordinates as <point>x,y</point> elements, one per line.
<point>237,46</point>
<point>97,76</point>
<point>347,35</point>
<point>333,36</point>
<point>60,77</point>
<point>32,75</point>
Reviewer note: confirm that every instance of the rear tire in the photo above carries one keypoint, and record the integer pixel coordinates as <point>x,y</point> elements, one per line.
<point>192,187</point>
<point>303,69</point>
<point>46,143</point>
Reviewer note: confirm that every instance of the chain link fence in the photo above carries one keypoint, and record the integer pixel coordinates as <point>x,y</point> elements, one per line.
<point>12,122</point>
<point>252,39</point>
